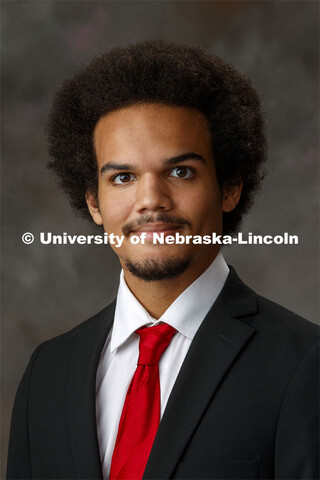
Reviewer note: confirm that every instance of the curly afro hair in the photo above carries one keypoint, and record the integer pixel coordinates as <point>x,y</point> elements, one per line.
<point>163,72</point>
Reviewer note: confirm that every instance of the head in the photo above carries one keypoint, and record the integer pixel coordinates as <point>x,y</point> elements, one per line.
<point>144,107</point>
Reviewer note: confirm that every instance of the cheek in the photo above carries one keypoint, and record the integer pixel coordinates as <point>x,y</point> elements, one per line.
<point>202,203</point>
<point>115,211</point>
<point>205,211</point>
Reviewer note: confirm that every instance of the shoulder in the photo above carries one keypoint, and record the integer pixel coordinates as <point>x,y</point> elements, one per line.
<point>279,332</point>
<point>287,334</point>
<point>92,331</point>
<point>284,321</point>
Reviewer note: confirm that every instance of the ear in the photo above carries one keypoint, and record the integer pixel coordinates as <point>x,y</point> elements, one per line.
<point>231,196</point>
<point>93,206</point>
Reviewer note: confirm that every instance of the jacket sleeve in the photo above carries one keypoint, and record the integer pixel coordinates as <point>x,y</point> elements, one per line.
<point>19,464</point>
<point>297,440</point>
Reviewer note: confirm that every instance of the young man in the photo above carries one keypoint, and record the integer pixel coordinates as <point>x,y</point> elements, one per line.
<point>158,138</point>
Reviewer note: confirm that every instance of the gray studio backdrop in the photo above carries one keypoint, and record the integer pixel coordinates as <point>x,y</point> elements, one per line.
<point>49,289</point>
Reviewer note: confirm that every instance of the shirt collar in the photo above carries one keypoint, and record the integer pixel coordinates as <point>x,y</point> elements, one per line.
<point>185,314</point>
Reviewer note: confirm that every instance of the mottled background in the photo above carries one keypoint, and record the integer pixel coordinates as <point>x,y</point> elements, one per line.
<point>49,289</point>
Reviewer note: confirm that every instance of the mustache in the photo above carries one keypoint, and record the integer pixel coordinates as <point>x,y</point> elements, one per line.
<point>159,218</point>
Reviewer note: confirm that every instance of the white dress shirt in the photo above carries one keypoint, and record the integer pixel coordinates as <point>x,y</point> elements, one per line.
<point>119,356</point>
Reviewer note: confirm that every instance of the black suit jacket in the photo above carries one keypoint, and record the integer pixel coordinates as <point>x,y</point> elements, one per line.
<point>244,405</point>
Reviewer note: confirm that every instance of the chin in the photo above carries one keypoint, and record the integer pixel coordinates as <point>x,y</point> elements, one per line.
<point>157,268</point>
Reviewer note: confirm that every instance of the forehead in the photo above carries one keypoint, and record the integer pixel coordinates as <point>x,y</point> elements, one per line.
<point>152,129</point>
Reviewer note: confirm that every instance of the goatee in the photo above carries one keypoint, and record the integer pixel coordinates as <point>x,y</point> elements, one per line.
<point>155,270</point>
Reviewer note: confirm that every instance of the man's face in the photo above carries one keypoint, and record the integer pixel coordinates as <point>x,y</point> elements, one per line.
<point>156,174</point>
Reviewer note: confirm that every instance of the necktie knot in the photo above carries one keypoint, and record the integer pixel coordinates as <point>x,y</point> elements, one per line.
<point>153,342</point>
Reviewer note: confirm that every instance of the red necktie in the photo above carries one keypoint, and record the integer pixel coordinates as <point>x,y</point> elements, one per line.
<point>141,410</point>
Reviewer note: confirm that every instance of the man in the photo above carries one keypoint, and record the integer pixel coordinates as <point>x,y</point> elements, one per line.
<point>158,138</point>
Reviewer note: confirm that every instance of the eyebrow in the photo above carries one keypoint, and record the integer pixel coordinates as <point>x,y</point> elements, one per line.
<point>169,161</point>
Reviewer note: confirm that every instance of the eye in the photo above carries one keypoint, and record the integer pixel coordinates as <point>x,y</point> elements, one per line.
<point>182,172</point>
<point>122,178</point>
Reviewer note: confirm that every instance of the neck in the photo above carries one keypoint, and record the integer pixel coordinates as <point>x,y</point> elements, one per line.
<point>157,296</point>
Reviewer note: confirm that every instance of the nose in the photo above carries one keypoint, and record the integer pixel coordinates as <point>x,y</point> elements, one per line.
<point>152,194</point>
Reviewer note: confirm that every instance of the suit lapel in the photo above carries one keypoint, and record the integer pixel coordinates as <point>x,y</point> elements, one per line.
<point>215,347</point>
<point>81,394</point>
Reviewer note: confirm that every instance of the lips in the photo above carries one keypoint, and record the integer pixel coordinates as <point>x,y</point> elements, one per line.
<point>149,229</point>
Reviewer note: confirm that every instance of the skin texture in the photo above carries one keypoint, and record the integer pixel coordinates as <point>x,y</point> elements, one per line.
<point>142,187</point>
